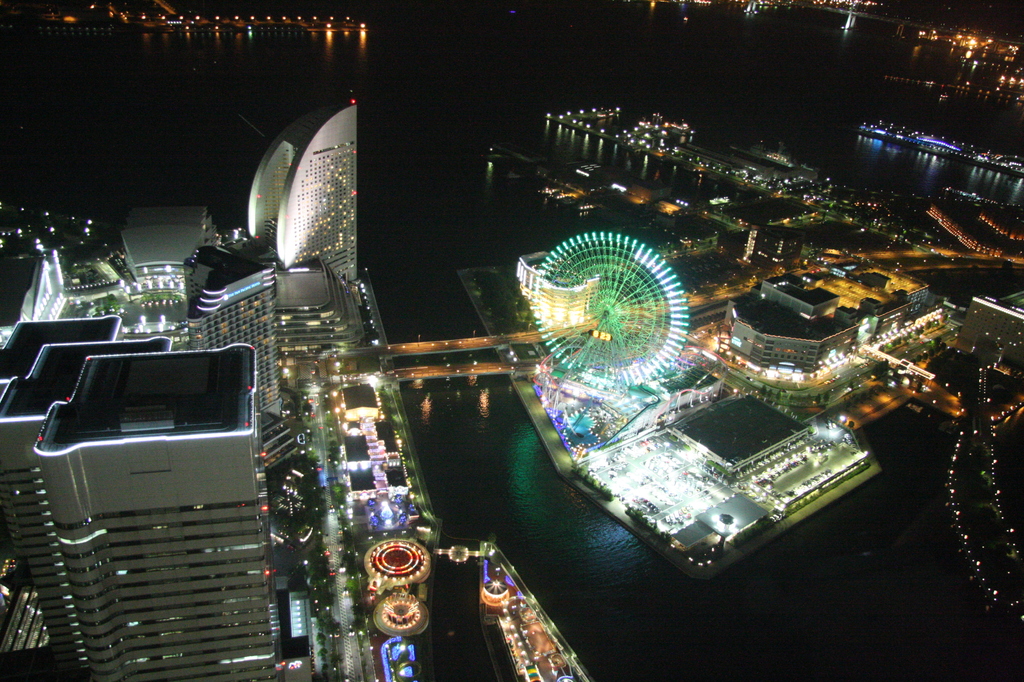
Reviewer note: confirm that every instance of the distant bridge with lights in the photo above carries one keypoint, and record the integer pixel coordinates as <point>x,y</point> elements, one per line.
<point>851,12</point>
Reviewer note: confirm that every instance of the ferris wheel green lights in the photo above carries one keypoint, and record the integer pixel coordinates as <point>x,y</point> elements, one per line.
<point>623,308</point>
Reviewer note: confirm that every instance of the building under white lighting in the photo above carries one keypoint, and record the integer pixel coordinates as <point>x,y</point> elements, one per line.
<point>158,503</point>
<point>995,329</point>
<point>33,290</point>
<point>303,200</point>
<point>42,362</point>
<point>158,240</point>
<point>231,300</point>
<point>317,312</point>
<point>554,304</point>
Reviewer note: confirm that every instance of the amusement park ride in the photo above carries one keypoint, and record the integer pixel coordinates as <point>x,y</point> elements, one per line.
<point>626,334</point>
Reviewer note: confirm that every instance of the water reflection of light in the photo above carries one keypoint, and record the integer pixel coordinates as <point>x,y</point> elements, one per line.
<point>425,408</point>
<point>933,168</point>
<point>489,179</point>
<point>485,403</point>
<point>1017,193</point>
<point>995,185</point>
<point>361,59</point>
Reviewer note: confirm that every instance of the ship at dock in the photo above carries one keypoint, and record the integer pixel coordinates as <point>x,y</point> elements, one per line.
<point>523,642</point>
<point>939,146</point>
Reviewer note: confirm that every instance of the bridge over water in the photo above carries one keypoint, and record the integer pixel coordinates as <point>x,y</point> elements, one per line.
<point>445,346</point>
<point>851,12</point>
<point>463,370</point>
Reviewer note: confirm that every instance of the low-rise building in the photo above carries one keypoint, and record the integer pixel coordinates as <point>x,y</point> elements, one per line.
<point>555,304</point>
<point>360,402</point>
<point>781,329</point>
<point>773,247</point>
<point>800,326</point>
<point>738,433</point>
<point>158,240</point>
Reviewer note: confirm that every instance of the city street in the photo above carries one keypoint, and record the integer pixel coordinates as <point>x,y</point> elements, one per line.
<point>347,644</point>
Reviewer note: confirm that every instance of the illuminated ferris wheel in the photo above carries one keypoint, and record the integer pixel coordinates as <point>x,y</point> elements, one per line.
<point>622,305</point>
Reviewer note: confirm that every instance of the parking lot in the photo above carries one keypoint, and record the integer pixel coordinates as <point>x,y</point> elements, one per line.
<point>706,269</point>
<point>668,482</point>
<point>801,469</point>
<point>661,477</point>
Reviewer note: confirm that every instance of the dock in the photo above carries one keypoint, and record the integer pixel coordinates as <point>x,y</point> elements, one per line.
<point>523,642</point>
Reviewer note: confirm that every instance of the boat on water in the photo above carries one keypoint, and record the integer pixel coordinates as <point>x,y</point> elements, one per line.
<point>933,144</point>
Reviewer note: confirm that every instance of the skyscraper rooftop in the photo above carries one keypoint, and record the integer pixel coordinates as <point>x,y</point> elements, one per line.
<point>169,394</point>
<point>18,356</point>
<point>57,370</point>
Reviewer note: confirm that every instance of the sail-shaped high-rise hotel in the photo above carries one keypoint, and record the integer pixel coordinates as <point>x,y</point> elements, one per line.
<point>303,200</point>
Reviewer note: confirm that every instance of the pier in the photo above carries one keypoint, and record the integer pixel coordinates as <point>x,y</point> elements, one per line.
<point>523,642</point>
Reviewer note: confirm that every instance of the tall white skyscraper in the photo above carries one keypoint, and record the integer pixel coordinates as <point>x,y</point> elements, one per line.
<point>38,366</point>
<point>157,500</point>
<point>303,199</point>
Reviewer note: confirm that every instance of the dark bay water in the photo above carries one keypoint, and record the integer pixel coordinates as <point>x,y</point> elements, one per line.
<point>98,125</point>
<point>869,588</point>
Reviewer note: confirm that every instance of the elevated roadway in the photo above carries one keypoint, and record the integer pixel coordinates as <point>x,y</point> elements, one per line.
<point>447,371</point>
<point>445,346</point>
<point>896,363</point>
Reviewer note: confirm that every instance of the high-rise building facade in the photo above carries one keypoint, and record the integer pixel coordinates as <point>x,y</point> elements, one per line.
<point>303,200</point>
<point>38,366</point>
<point>157,500</point>
<point>231,300</point>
